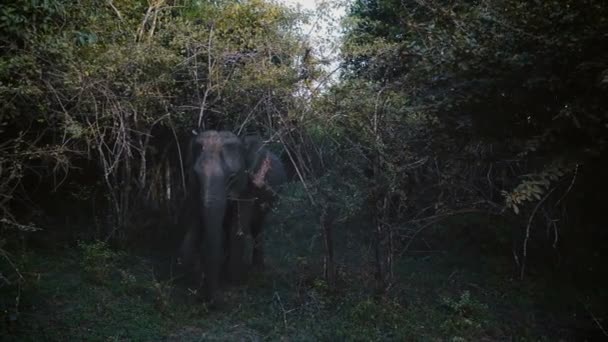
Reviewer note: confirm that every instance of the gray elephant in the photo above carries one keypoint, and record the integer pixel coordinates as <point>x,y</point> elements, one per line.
<point>234,183</point>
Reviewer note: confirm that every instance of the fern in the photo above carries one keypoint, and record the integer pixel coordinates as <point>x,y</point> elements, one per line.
<point>534,186</point>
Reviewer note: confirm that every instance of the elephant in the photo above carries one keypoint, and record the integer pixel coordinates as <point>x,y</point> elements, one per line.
<point>234,183</point>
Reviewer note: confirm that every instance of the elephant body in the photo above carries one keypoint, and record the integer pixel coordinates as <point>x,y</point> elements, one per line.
<point>233,186</point>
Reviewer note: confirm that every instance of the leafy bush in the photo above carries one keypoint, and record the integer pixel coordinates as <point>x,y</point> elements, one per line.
<point>99,261</point>
<point>466,315</point>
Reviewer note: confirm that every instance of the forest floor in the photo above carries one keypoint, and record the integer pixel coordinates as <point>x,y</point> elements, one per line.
<point>95,293</point>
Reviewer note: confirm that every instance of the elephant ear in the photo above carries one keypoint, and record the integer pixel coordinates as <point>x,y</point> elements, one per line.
<point>257,159</point>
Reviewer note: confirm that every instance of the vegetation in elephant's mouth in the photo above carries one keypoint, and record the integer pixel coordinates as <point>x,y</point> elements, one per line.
<point>186,170</point>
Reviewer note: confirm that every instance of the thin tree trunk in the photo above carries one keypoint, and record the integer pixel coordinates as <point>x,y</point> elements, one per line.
<point>329,265</point>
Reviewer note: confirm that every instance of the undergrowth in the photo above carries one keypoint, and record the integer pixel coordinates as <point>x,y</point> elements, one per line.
<point>96,293</point>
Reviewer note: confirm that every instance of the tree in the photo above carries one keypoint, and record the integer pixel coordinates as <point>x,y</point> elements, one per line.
<point>118,84</point>
<point>463,99</point>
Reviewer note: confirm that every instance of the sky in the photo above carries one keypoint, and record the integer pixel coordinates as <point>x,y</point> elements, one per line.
<point>331,9</point>
<point>308,4</point>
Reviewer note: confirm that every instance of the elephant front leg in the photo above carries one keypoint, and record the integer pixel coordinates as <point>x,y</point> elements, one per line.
<point>239,229</point>
<point>189,259</point>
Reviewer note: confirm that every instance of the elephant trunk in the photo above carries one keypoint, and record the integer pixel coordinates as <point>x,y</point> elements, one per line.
<point>214,207</point>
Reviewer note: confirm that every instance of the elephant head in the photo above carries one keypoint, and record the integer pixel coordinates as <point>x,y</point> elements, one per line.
<point>234,183</point>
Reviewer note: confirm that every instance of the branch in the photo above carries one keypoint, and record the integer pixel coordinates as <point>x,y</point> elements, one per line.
<point>115,9</point>
<point>201,113</point>
<point>528,228</point>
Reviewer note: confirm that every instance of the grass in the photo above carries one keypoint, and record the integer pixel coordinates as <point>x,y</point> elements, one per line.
<point>94,293</point>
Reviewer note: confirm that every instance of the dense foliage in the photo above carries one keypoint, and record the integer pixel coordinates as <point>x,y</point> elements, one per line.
<point>487,115</point>
<point>110,88</point>
<point>495,106</point>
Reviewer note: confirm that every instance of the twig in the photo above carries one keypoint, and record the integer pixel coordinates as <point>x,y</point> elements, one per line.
<point>596,320</point>
<point>10,262</point>
<point>142,28</point>
<point>115,9</point>
<point>209,73</point>
<point>278,297</point>
<point>451,213</point>
<point>310,197</point>
<point>21,227</point>
<point>570,186</point>
<point>250,115</point>
<point>528,228</point>
<point>415,234</point>
<point>179,155</point>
